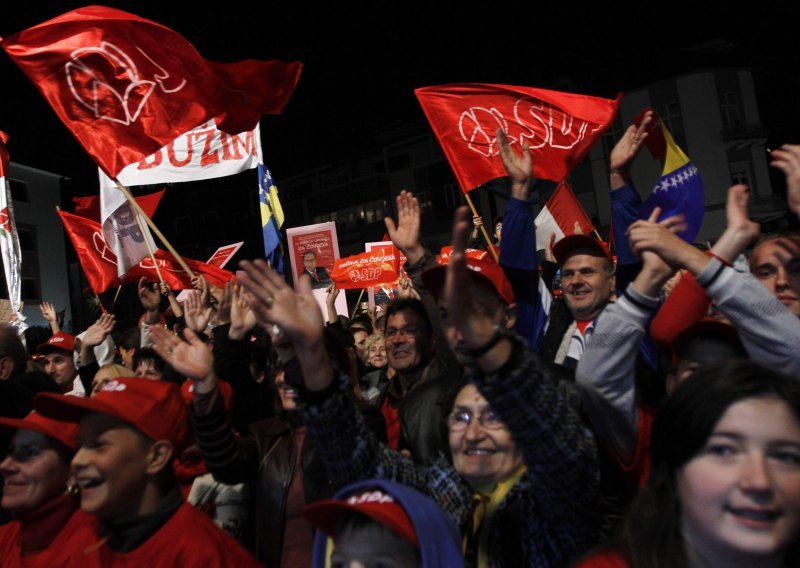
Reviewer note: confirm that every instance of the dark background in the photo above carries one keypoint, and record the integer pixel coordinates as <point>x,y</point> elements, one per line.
<point>363,60</point>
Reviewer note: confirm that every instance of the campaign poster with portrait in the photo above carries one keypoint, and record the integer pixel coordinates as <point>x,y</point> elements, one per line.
<point>381,296</point>
<point>312,250</point>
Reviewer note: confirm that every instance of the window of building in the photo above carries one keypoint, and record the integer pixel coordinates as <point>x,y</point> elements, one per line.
<point>452,195</point>
<point>424,198</point>
<point>27,238</point>
<point>740,173</point>
<point>670,115</point>
<point>30,289</point>
<point>730,109</point>
<point>398,162</point>
<point>19,190</point>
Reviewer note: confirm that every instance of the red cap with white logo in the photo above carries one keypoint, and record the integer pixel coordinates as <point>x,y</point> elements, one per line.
<point>376,505</point>
<point>64,432</point>
<point>480,265</point>
<point>155,408</point>
<point>60,340</point>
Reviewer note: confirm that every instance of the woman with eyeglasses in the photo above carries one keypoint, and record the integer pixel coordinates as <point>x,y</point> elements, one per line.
<point>35,473</point>
<point>725,483</point>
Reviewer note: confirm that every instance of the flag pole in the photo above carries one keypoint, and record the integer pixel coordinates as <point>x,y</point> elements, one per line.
<point>361,295</point>
<point>116,296</point>
<point>152,225</point>
<point>149,250</point>
<point>483,229</point>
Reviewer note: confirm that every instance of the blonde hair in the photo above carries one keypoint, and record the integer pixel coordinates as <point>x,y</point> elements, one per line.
<point>116,370</point>
<point>374,338</point>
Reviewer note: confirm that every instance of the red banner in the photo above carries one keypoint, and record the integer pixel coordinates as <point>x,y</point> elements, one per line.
<point>100,265</point>
<point>367,269</point>
<point>558,127</point>
<point>126,86</point>
<point>89,206</point>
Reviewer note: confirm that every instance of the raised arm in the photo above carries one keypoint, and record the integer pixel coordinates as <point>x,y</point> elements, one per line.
<point>787,159</point>
<point>50,316</point>
<point>606,373</point>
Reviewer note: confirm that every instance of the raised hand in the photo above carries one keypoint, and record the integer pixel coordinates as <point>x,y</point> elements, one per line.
<point>472,323</point>
<point>661,239</point>
<point>626,150</point>
<point>787,159</point>
<point>519,168</point>
<point>225,301</point>
<point>191,357</point>
<point>242,318</point>
<point>405,234</point>
<point>99,330</point>
<point>197,312</point>
<point>50,316</point>
<point>331,294</point>
<point>405,289</point>
<point>149,297</point>
<point>274,302</point>
<point>741,231</point>
<point>296,313</point>
<point>549,256</point>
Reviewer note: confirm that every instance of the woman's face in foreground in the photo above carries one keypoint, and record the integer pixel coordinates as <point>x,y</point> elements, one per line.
<point>740,495</point>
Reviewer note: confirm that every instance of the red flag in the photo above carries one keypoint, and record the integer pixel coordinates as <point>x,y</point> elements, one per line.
<point>100,265</point>
<point>559,127</point>
<point>560,215</point>
<point>89,206</point>
<point>98,261</point>
<point>126,86</point>
<point>366,270</point>
<point>4,157</point>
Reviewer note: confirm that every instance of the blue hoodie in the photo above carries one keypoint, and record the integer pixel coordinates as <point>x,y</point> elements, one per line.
<point>439,539</point>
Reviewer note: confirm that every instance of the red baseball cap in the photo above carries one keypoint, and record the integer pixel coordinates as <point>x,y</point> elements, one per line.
<point>376,504</point>
<point>64,432</point>
<point>60,340</point>
<point>155,408</point>
<point>481,266</point>
<point>567,246</point>
<point>704,328</point>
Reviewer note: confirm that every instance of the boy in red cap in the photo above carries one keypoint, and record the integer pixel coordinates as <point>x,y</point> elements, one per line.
<point>129,433</point>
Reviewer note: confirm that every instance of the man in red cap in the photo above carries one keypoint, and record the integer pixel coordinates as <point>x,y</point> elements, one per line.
<point>129,434</point>
<point>59,361</point>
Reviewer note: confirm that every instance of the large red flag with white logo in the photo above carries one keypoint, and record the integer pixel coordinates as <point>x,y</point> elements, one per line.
<point>126,86</point>
<point>562,215</point>
<point>100,264</point>
<point>558,127</point>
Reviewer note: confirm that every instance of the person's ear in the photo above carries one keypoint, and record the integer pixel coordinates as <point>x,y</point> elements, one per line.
<point>159,456</point>
<point>6,368</point>
<point>510,316</point>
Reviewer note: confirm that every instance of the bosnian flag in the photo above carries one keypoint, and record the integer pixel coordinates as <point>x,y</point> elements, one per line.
<point>125,232</point>
<point>560,215</point>
<point>680,189</point>
<point>9,241</point>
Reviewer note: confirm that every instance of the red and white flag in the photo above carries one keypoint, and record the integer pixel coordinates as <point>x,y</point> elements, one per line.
<point>558,127</point>
<point>202,153</point>
<point>367,269</point>
<point>100,264</point>
<point>125,231</point>
<point>561,215</point>
<point>126,86</point>
<point>9,240</point>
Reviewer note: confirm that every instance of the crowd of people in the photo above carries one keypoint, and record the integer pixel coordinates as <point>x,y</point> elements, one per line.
<point>574,410</point>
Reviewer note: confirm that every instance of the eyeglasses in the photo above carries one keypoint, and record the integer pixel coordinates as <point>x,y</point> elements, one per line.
<point>459,420</point>
<point>395,333</point>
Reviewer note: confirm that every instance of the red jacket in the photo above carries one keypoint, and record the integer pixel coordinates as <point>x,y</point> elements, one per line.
<point>188,538</point>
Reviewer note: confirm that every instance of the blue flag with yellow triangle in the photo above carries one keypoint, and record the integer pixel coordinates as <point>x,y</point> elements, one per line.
<point>680,188</point>
<point>271,218</point>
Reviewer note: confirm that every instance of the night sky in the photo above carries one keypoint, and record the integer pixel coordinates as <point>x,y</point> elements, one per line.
<point>363,60</point>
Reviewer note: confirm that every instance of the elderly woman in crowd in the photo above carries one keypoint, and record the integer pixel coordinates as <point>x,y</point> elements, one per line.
<point>523,484</point>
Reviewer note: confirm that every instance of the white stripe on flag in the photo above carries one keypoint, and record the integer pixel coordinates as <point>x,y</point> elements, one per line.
<point>546,224</point>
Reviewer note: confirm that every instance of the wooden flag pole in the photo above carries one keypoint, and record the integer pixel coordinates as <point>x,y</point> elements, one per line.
<point>149,250</point>
<point>152,225</point>
<point>116,296</point>
<point>492,251</point>
<point>361,295</point>
<point>596,234</point>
